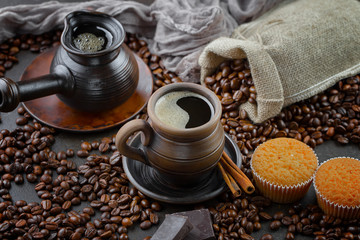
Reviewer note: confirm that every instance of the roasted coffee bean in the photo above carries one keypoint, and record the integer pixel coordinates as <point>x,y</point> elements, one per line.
<point>299,227</point>
<point>51,226</point>
<point>126,222</point>
<point>289,236</point>
<point>249,227</point>
<point>265,216</point>
<point>86,146</point>
<point>82,153</point>
<point>123,236</point>
<point>31,177</point>
<point>275,225</point>
<point>292,228</point>
<point>46,204</point>
<point>19,179</point>
<point>257,226</point>
<point>154,219</point>
<point>246,237</point>
<point>286,220</point>
<point>21,121</point>
<point>278,215</point>
<point>145,225</point>
<point>266,236</point>
<point>104,147</point>
<point>66,205</point>
<point>69,194</point>
<point>155,206</point>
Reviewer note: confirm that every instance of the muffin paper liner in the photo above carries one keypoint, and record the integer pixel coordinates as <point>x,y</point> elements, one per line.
<point>279,193</point>
<point>334,209</point>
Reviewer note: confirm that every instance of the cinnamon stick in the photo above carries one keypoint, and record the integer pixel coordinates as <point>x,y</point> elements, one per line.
<point>234,188</point>
<point>237,174</point>
<point>235,185</point>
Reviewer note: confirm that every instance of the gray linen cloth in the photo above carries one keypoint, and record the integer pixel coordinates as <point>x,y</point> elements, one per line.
<point>177,30</point>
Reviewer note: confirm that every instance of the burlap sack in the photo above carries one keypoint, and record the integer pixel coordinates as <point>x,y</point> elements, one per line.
<point>295,51</point>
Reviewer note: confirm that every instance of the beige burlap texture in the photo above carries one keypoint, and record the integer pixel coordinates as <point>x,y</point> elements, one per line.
<point>295,51</point>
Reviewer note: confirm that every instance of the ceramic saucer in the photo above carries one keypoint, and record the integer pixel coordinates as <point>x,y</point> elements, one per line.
<point>53,112</point>
<point>145,179</point>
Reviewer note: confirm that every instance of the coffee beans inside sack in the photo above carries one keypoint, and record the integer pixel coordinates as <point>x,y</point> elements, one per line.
<point>293,54</point>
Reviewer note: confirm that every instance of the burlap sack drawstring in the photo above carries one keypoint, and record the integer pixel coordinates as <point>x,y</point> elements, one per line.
<point>295,51</point>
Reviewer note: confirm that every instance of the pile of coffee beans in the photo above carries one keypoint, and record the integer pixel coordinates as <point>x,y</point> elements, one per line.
<point>333,114</point>
<point>113,206</point>
<point>238,218</point>
<point>26,154</point>
<point>311,221</point>
<point>161,75</point>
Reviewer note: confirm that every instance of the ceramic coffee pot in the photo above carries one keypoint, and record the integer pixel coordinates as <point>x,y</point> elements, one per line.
<point>91,71</point>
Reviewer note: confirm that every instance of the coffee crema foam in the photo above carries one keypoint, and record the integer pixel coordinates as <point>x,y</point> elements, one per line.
<point>170,113</point>
<point>88,42</point>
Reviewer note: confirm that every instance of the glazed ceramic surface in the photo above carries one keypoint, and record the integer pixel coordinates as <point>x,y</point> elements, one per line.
<point>86,81</point>
<point>147,180</point>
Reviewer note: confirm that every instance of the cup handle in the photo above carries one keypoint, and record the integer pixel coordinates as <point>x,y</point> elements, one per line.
<point>126,131</point>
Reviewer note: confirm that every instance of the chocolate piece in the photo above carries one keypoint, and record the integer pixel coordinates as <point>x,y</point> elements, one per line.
<point>201,221</point>
<point>174,227</point>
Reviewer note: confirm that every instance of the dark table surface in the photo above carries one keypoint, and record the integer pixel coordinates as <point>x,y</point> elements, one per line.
<point>66,140</point>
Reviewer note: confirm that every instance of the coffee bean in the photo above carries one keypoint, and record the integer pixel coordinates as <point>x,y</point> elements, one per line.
<point>82,153</point>
<point>66,205</point>
<point>69,153</point>
<point>96,204</point>
<point>249,227</point>
<point>51,226</point>
<point>31,177</point>
<point>74,220</point>
<point>21,121</point>
<point>315,217</point>
<point>46,204</point>
<point>86,146</point>
<point>104,147</point>
<point>87,188</point>
<point>69,194</point>
<point>19,179</point>
<point>257,226</point>
<point>145,225</point>
<point>155,206</point>
<point>286,220</point>
<point>123,236</point>
<point>126,222</point>
<point>154,219</point>
<point>21,223</point>
<point>278,215</point>
<point>267,236</point>
<point>246,237</point>
<point>275,225</point>
<point>265,216</point>
<point>46,178</point>
<point>289,236</point>
<point>292,228</point>
<point>106,235</point>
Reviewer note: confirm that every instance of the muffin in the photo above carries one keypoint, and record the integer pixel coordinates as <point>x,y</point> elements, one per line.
<point>337,187</point>
<point>283,169</point>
